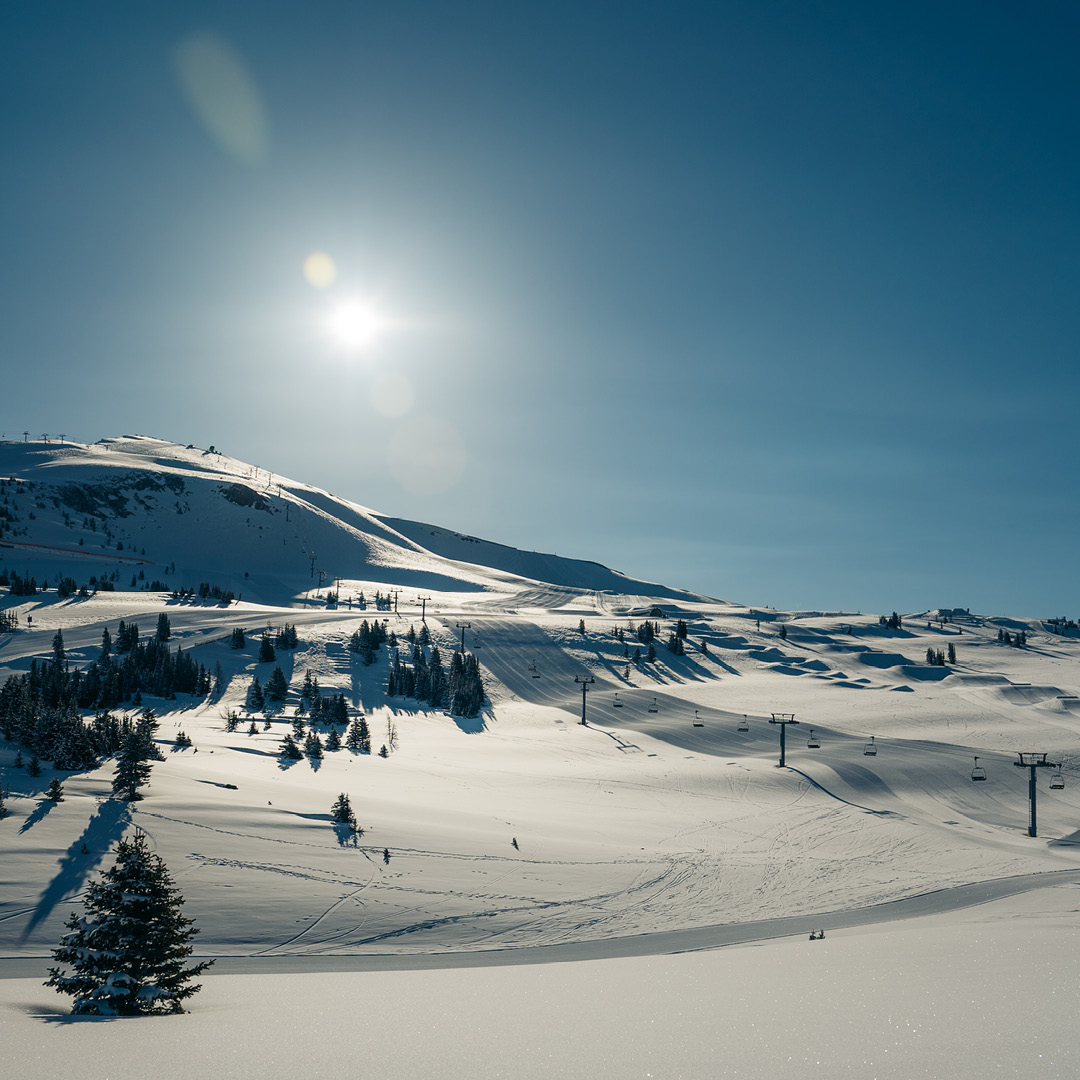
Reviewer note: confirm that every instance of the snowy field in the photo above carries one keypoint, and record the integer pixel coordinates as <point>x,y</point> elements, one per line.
<point>991,991</point>
<point>532,896</point>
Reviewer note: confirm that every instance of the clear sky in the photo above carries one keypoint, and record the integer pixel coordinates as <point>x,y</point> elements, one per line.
<point>772,300</point>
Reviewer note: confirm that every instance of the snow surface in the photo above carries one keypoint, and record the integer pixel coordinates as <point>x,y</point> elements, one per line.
<point>637,834</point>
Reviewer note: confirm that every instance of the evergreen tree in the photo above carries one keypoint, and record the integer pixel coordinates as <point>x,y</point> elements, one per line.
<point>3,809</point>
<point>132,768</point>
<point>58,648</point>
<point>289,749</point>
<point>236,639</point>
<point>277,686</point>
<point>358,737</point>
<point>256,700</point>
<point>313,746</point>
<point>342,811</point>
<point>164,627</point>
<point>34,768</point>
<point>333,740</point>
<point>266,649</point>
<point>128,952</point>
<point>56,790</point>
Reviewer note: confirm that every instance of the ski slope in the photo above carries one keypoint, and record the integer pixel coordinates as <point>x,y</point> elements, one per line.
<point>656,829</point>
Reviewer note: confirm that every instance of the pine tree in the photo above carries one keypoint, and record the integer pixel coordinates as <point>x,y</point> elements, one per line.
<point>255,697</point>
<point>343,811</point>
<point>128,951</point>
<point>56,790</point>
<point>132,768</point>
<point>164,627</point>
<point>313,746</point>
<point>34,768</point>
<point>266,649</point>
<point>277,686</point>
<point>289,749</point>
<point>333,740</point>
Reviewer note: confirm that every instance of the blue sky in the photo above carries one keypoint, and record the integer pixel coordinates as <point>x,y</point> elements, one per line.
<point>773,301</point>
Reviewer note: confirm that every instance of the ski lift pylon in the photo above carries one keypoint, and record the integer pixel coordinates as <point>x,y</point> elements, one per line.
<point>978,773</point>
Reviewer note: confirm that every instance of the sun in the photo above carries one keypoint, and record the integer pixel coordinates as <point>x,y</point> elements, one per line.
<point>356,325</point>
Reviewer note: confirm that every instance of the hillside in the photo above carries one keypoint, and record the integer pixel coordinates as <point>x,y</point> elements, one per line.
<point>180,514</point>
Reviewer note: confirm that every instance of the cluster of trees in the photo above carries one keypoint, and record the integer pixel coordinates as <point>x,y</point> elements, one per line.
<point>205,591</point>
<point>366,640</point>
<point>937,656</point>
<point>58,733</point>
<point>43,705</point>
<point>893,621</point>
<point>9,622</point>
<point>18,585</point>
<point>1019,639</point>
<point>383,601</point>
<point>1062,624</point>
<point>424,678</point>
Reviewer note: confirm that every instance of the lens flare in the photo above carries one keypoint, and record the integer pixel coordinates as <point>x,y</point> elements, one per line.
<point>320,270</point>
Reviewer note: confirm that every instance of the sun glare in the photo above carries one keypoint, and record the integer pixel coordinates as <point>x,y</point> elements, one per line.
<point>355,325</point>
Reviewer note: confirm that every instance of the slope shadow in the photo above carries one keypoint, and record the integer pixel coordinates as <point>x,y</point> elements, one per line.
<point>101,832</point>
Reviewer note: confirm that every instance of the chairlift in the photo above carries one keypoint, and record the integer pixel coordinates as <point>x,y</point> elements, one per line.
<point>476,643</point>
<point>744,724</point>
<point>1057,780</point>
<point>870,749</point>
<point>978,773</point>
<point>654,707</point>
<point>698,722</point>
<point>813,743</point>
<point>532,668</point>
<point>617,703</point>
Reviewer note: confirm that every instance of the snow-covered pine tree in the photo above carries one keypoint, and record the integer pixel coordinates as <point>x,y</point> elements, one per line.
<point>128,951</point>
<point>56,790</point>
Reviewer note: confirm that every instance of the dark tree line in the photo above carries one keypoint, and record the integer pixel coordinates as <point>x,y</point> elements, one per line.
<point>42,709</point>
<point>426,680</point>
<point>366,640</point>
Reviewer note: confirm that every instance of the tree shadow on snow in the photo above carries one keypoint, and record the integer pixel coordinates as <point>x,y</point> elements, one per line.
<point>103,830</point>
<point>39,812</point>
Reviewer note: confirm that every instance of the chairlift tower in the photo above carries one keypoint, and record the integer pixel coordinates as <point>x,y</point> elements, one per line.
<point>783,719</point>
<point>394,593</point>
<point>423,607</point>
<point>584,690</point>
<point>463,626</point>
<point>1031,762</point>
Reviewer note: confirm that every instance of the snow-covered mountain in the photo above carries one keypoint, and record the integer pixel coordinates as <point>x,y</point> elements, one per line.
<point>143,506</point>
